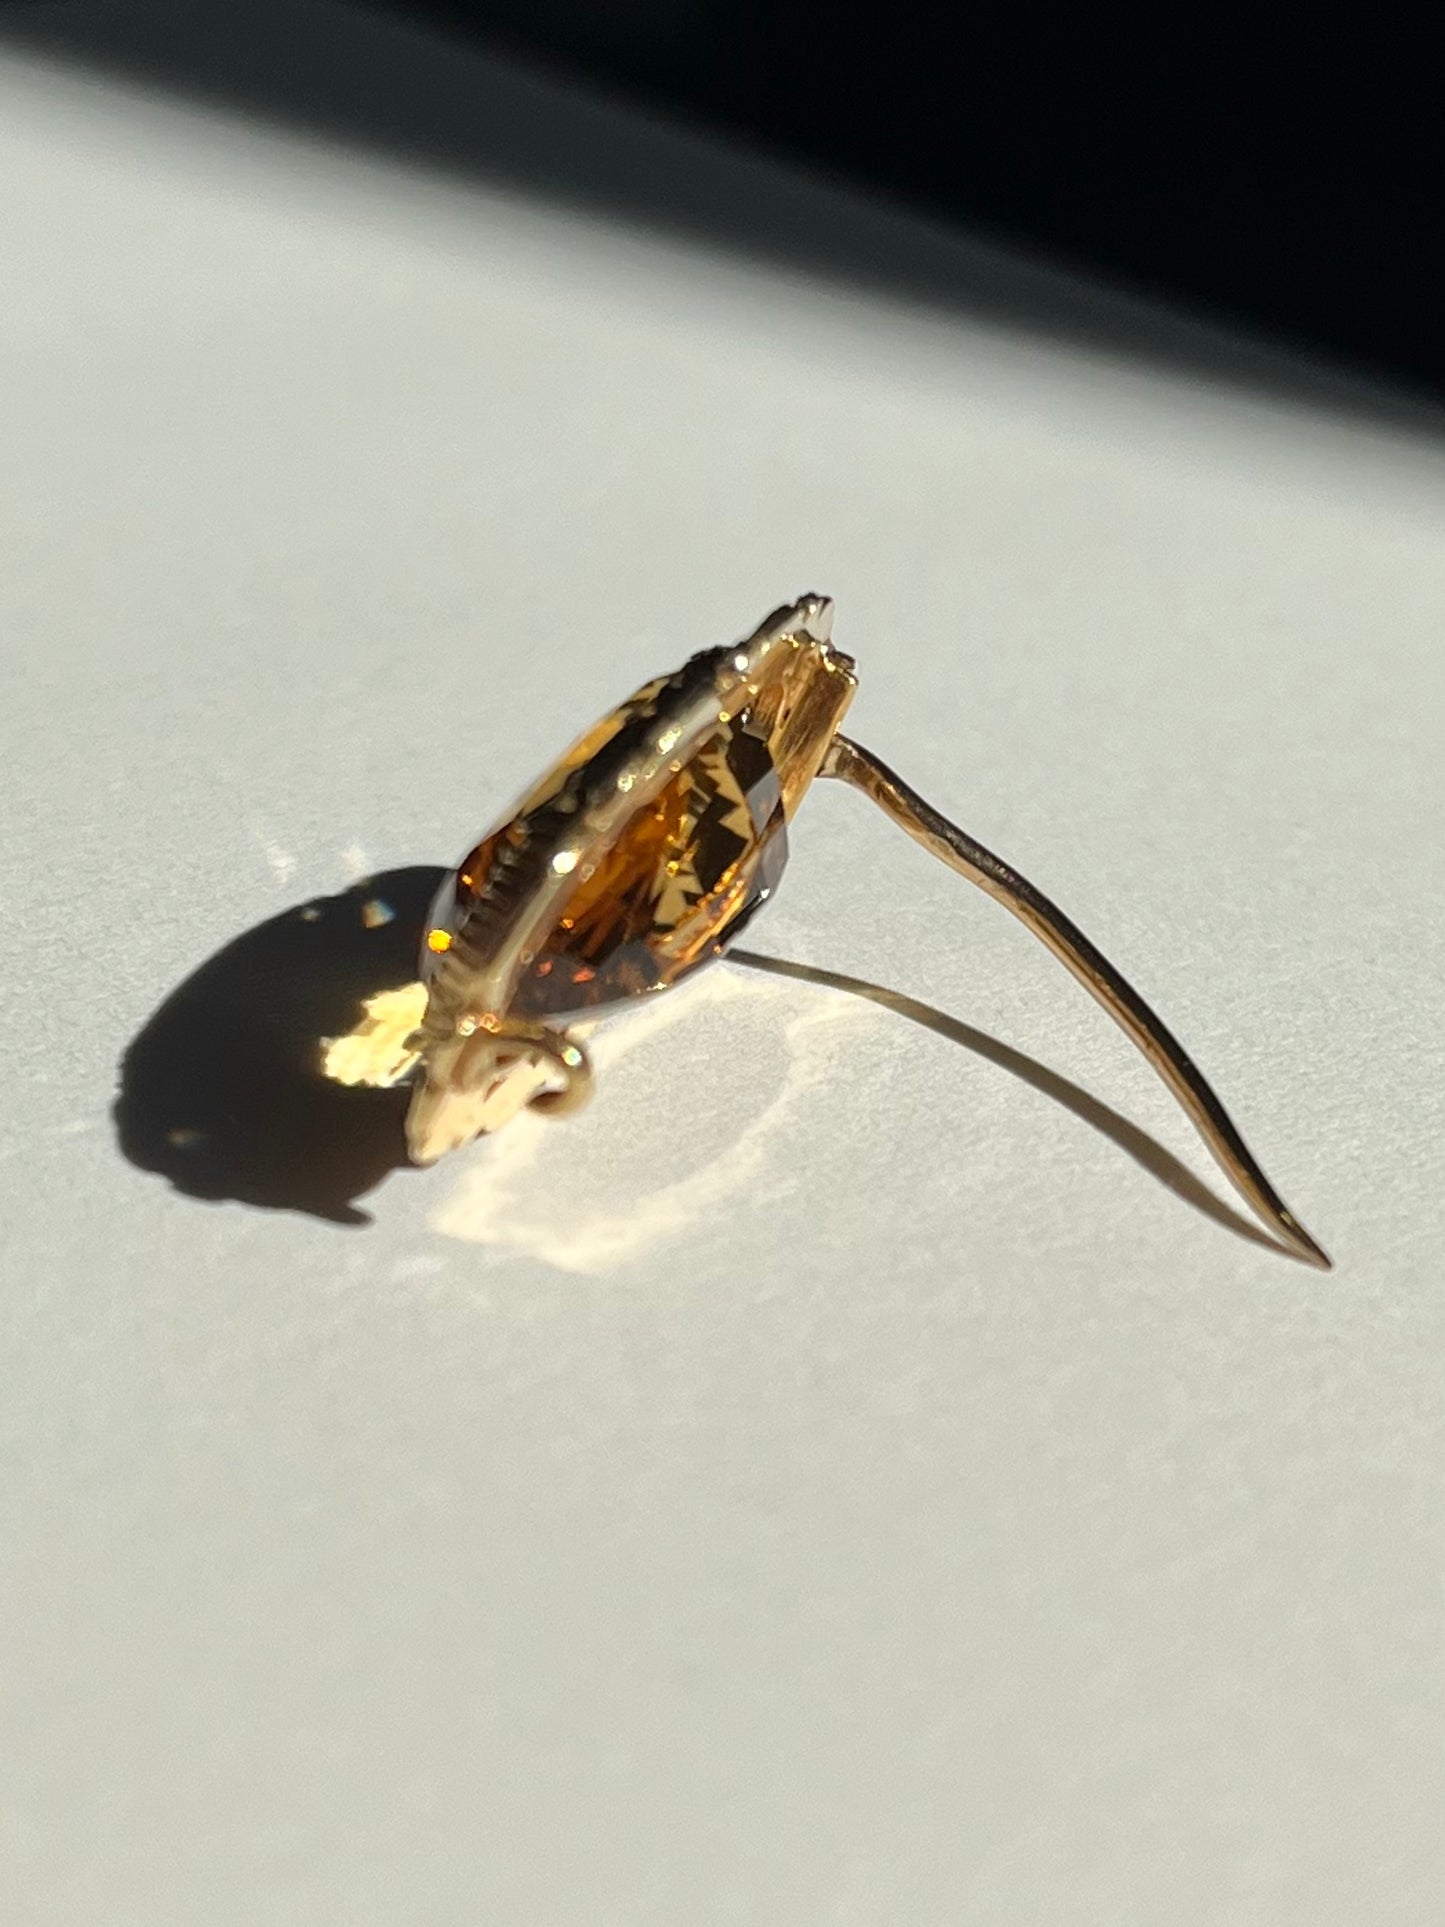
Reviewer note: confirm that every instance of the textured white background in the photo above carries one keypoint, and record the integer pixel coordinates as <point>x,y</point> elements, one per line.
<point>828,1482</point>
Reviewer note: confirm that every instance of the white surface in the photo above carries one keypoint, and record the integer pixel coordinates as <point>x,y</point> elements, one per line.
<point>828,1482</point>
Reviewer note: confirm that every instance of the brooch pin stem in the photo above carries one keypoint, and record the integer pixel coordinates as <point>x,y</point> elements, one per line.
<point>853,764</point>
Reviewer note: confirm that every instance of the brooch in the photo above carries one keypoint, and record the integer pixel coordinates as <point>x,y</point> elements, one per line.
<point>647,848</point>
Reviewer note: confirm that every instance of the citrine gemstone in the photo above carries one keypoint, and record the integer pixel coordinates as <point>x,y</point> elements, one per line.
<point>678,884</point>
<point>584,898</point>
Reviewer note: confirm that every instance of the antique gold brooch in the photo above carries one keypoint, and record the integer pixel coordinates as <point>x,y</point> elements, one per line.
<point>644,852</point>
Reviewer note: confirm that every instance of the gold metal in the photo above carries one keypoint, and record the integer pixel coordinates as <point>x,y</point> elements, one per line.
<point>480,1060</point>
<point>951,845</point>
<point>482,1076</point>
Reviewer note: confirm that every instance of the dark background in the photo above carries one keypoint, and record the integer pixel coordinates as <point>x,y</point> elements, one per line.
<point>1276,173</point>
<point>1275,170</point>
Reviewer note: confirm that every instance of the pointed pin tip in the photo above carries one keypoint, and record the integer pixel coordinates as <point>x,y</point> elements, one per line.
<point>1303,1245</point>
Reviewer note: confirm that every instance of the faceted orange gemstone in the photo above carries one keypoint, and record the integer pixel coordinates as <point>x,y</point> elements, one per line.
<point>676,886</point>
<point>675,883</point>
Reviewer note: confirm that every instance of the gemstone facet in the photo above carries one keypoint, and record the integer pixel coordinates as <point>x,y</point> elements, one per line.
<point>635,859</point>
<point>690,868</point>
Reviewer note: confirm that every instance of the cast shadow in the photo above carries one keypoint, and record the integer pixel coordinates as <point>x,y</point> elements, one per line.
<point>222,1091</point>
<point>376,82</point>
<point>1137,1144</point>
